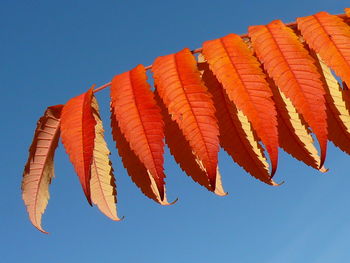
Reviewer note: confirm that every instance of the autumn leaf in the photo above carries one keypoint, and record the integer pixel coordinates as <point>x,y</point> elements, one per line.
<point>181,150</point>
<point>39,169</point>
<point>236,134</point>
<point>78,135</point>
<point>180,87</point>
<point>329,36</point>
<point>102,182</point>
<point>239,72</point>
<point>136,169</point>
<point>293,70</point>
<point>294,135</point>
<point>271,88</point>
<point>338,116</point>
<point>140,121</point>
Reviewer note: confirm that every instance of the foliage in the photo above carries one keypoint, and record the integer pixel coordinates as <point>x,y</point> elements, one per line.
<point>270,88</point>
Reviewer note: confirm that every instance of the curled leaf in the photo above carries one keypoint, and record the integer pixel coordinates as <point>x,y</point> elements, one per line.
<point>39,169</point>
<point>102,183</point>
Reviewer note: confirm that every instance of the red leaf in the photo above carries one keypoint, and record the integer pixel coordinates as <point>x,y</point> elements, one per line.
<point>78,134</point>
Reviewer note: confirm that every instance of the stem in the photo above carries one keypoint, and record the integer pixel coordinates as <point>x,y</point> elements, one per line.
<point>292,25</point>
<point>103,87</point>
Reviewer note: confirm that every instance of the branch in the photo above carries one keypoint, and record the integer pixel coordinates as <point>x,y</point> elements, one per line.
<point>292,25</point>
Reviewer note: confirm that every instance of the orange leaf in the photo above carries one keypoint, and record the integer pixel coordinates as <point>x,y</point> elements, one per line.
<point>136,169</point>
<point>294,135</point>
<point>181,150</point>
<point>39,169</point>
<point>140,121</point>
<point>347,12</point>
<point>102,183</point>
<point>78,135</point>
<point>293,70</point>
<point>236,135</point>
<point>240,74</point>
<point>179,85</point>
<point>338,116</point>
<point>329,36</point>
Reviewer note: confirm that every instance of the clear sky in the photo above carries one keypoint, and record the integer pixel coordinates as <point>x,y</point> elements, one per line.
<point>54,50</point>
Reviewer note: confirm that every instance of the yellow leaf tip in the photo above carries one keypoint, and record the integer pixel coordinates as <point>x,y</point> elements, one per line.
<point>166,203</point>
<point>277,184</point>
<point>220,193</point>
<point>118,219</point>
<point>323,169</point>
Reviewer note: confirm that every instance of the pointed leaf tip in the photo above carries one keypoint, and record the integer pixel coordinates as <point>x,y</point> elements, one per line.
<point>338,115</point>
<point>135,168</point>
<point>136,113</point>
<point>293,70</point>
<point>186,99</point>
<point>294,135</point>
<point>183,154</point>
<point>242,79</point>
<point>236,134</point>
<point>39,169</point>
<point>102,183</point>
<point>78,135</point>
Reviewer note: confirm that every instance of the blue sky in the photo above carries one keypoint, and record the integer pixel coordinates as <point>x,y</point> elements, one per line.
<point>54,50</point>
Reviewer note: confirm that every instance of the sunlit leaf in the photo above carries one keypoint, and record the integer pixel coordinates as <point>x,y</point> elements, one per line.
<point>180,87</point>
<point>239,72</point>
<point>102,183</point>
<point>329,36</point>
<point>39,169</point>
<point>140,121</point>
<point>293,70</point>
<point>236,135</point>
<point>78,135</point>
